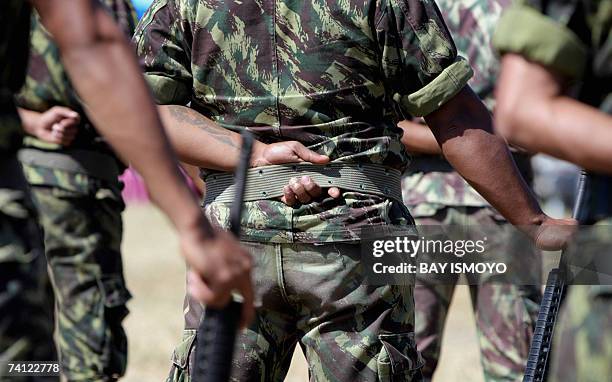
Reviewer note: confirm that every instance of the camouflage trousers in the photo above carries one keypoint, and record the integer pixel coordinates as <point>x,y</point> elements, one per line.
<point>505,314</point>
<point>313,295</point>
<point>26,312</point>
<point>582,349</point>
<point>81,220</point>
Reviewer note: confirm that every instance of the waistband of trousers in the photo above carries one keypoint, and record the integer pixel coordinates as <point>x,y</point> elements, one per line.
<point>96,164</point>
<point>267,182</point>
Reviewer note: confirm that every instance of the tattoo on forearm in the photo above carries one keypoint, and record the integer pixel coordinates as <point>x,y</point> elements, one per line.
<point>190,117</point>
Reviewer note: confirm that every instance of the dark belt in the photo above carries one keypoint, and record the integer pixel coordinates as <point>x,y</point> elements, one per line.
<point>92,163</point>
<point>267,182</point>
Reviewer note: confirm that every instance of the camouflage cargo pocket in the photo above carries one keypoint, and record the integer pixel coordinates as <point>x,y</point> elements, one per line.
<point>180,371</point>
<point>399,359</point>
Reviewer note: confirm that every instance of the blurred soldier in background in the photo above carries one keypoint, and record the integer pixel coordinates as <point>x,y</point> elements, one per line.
<point>73,176</point>
<point>566,47</point>
<point>436,194</point>
<point>26,314</point>
<point>105,74</point>
<point>318,81</point>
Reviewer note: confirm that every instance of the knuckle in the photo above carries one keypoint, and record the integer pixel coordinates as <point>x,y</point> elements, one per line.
<point>224,277</point>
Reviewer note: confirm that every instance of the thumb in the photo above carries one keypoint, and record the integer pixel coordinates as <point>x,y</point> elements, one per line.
<point>308,155</point>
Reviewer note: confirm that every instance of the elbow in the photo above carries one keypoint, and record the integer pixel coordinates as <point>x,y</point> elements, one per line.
<point>507,116</point>
<point>513,117</point>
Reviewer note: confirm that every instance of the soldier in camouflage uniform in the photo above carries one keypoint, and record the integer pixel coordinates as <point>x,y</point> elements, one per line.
<point>436,194</point>
<point>76,190</point>
<point>326,75</point>
<point>565,42</point>
<point>26,322</point>
<point>94,51</point>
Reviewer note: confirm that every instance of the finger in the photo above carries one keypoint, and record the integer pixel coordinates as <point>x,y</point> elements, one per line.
<point>299,190</point>
<point>48,136</point>
<point>308,155</point>
<point>198,289</point>
<point>221,296</point>
<point>288,196</point>
<point>311,187</point>
<point>65,112</point>
<point>66,125</point>
<point>334,192</point>
<point>60,136</point>
<point>57,129</point>
<point>248,309</point>
<point>70,124</point>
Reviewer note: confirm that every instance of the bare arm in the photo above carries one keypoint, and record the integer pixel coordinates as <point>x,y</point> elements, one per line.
<point>190,131</point>
<point>105,73</point>
<point>464,130</point>
<point>418,138</point>
<point>533,113</point>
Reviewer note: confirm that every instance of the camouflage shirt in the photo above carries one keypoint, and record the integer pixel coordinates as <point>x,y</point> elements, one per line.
<point>471,24</point>
<point>330,74</point>
<point>47,82</point>
<point>14,32</point>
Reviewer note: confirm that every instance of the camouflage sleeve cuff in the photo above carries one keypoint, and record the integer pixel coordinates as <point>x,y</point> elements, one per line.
<point>525,31</point>
<point>436,93</point>
<point>166,90</point>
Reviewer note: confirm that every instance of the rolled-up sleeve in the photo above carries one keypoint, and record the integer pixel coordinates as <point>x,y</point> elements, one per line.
<point>525,31</point>
<point>160,42</point>
<point>419,57</point>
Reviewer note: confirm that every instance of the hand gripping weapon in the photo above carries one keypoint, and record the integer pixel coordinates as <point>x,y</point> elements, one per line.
<point>217,332</point>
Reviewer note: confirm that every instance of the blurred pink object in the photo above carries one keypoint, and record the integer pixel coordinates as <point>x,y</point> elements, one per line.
<point>135,190</point>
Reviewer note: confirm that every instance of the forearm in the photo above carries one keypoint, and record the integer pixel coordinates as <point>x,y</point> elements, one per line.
<point>564,128</point>
<point>140,140</point>
<point>418,138</point>
<point>534,113</point>
<point>119,104</point>
<point>198,140</point>
<point>464,131</point>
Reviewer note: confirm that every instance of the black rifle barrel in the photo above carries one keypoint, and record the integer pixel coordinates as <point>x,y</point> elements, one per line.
<point>217,331</point>
<point>538,360</point>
